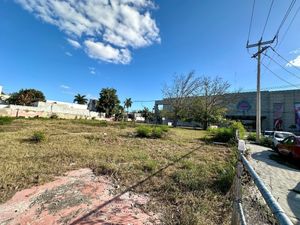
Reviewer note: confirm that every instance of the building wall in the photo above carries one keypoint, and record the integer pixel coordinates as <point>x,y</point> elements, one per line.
<point>242,106</point>
<point>47,110</point>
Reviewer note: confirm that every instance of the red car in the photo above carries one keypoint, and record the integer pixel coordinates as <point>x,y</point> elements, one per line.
<point>290,146</point>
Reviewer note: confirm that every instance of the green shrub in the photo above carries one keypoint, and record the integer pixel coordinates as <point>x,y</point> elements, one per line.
<point>5,120</point>
<point>38,136</point>
<point>164,128</point>
<point>251,136</point>
<point>223,134</point>
<point>236,125</point>
<point>151,131</point>
<point>267,142</point>
<point>144,131</point>
<point>157,132</point>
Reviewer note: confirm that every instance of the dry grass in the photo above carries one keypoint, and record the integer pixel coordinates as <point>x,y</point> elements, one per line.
<point>191,191</point>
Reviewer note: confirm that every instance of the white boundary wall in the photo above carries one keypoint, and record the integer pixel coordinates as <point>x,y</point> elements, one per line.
<point>46,110</point>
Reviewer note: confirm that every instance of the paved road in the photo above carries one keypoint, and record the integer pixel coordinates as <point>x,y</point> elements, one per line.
<point>280,176</point>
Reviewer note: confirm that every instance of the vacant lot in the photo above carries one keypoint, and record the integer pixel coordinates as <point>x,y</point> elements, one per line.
<point>192,190</point>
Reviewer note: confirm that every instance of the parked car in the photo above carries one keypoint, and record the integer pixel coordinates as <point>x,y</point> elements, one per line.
<point>290,146</point>
<point>268,133</point>
<point>279,136</point>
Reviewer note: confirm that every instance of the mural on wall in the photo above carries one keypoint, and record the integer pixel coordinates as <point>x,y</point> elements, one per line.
<point>297,116</point>
<point>278,112</point>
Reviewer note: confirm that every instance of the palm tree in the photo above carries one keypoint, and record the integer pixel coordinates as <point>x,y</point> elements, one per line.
<point>127,104</point>
<point>80,99</point>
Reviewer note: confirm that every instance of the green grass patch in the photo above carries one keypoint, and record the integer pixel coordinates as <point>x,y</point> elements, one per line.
<point>5,120</point>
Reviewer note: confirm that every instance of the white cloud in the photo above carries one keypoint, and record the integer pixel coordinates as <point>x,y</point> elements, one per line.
<point>68,54</point>
<point>294,62</point>
<point>108,29</point>
<point>64,86</point>
<point>105,52</point>
<point>74,43</point>
<point>92,70</point>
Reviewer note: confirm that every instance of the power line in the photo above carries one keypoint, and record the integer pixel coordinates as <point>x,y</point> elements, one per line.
<point>285,17</point>
<point>293,74</point>
<point>287,61</point>
<point>271,6</point>
<point>251,20</point>
<point>284,35</point>
<point>289,26</point>
<point>279,77</point>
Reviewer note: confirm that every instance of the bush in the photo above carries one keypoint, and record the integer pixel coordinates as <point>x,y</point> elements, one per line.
<point>267,142</point>
<point>144,131</point>
<point>157,132</point>
<point>227,134</point>
<point>235,125</point>
<point>164,128</point>
<point>151,132</point>
<point>251,136</point>
<point>223,134</point>
<point>38,136</point>
<point>5,120</point>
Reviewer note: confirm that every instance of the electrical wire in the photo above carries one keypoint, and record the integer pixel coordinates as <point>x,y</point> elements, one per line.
<point>287,61</point>
<point>291,73</point>
<point>251,21</point>
<point>279,77</point>
<point>267,20</point>
<point>285,17</point>
<point>289,26</point>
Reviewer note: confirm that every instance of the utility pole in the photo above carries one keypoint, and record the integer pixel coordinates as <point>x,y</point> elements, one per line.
<point>260,49</point>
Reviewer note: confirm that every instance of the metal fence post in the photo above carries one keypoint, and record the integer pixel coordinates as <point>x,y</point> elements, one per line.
<point>237,217</point>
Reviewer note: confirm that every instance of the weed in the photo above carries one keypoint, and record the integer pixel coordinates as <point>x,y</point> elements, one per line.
<point>38,136</point>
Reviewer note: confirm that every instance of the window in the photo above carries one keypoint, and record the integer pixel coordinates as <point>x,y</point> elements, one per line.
<point>289,140</point>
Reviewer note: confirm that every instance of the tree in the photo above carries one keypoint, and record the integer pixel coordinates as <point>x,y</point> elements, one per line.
<point>119,113</point>
<point>146,113</point>
<point>210,107</point>
<point>108,101</point>
<point>127,103</point>
<point>26,97</point>
<point>178,95</point>
<point>80,99</point>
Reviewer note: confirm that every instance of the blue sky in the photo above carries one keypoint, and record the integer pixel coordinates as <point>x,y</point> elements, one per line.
<point>170,36</point>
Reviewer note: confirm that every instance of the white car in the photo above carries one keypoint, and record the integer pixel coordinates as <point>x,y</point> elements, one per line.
<point>268,133</point>
<point>279,136</point>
